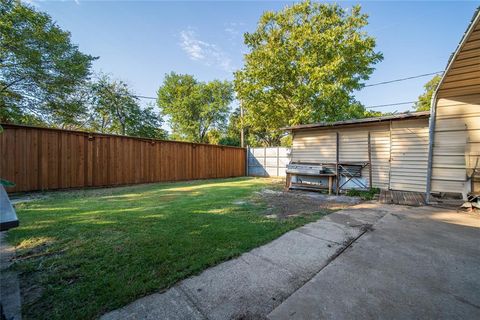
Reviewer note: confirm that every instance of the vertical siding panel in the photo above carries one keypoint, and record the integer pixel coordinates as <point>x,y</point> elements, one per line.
<point>74,152</point>
<point>79,161</point>
<point>10,156</point>
<point>90,160</point>
<point>111,180</point>
<point>380,144</point>
<point>20,157</point>
<point>157,161</point>
<point>43,165</point>
<point>96,174</point>
<point>119,161</point>
<point>33,159</point>
<point>409,155</point>
<point>456,150</point>
<point>54,161</point>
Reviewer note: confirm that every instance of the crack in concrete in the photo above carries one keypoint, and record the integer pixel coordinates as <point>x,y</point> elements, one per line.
<point>271,262</point>
<point>311,235</point>
<point>192,301</point>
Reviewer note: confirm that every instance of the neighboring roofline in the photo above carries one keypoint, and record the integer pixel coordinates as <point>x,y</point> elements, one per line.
<point>433,103</point>
<point>352,122</point>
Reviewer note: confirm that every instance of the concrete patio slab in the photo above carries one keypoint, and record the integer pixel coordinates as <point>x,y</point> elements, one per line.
<point>245,287</point>
<point>418,263</point>
<point>330,231</point>
<point>173,305</point>
<point>301,254</point>
<point>252,285</point>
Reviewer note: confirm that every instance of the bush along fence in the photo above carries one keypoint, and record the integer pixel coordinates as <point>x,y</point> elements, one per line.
<point>46,159</point>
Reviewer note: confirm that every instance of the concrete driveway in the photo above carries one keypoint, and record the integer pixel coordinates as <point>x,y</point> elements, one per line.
<point>418,263</point>
<point>369,261</point>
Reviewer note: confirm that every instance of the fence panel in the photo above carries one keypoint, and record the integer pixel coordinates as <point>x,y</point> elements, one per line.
<point>45,159</point>
<point>268,162</point>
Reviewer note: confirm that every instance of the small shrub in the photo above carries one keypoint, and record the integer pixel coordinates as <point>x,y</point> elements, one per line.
<point>363,194</point>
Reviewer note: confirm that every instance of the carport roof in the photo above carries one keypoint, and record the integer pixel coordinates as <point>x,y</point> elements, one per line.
<point>400,116</point>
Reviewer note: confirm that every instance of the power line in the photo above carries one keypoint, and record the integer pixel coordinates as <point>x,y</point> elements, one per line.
<point>368,85</point>
<point>368,107</point>
<point>145,97</point>
<point>390,104</point>
<point>402,79</point>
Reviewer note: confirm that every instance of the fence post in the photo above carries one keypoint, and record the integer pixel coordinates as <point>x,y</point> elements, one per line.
<point>248,161</point>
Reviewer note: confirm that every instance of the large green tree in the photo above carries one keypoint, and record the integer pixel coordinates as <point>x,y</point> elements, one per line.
<point>114,108</point>
<point>303,65</point>
<point>193,107</point>
<point>40,68</point>
<point>425,99</point>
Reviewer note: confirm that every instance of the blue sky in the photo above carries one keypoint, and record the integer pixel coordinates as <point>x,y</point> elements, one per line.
<point>139,42</point>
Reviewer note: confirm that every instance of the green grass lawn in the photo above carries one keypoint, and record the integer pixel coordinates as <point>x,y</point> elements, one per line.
<point>81,254</point>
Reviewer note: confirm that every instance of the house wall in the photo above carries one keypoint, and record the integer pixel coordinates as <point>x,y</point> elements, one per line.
<point>403,141</point>
<point>456,148</point>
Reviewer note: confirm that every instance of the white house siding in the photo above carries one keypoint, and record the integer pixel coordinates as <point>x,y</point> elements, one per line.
<point>409,155</point>
<point>456,140</point>
<point>456,149</point>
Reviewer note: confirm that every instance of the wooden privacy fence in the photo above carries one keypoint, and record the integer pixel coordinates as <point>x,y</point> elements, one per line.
<point>44,159</point>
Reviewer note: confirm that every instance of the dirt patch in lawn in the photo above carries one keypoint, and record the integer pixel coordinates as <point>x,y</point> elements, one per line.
<point>283,204</point>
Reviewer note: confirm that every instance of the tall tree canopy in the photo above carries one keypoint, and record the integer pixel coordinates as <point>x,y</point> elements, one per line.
<point>115,109</point>
<point>194,108</point>
<point>425,99</point>
<point>40,69</point>
<point>303,65</point>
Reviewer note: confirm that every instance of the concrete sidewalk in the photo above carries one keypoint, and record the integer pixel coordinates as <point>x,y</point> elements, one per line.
<point>419,263</point>
<point>251,286</point>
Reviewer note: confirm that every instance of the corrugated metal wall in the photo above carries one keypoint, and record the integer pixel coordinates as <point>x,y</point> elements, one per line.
<point>409,155</point>
<point>314,146</point>
<point>456,149</point>
<point>406,142</point>
<point>380,141</point>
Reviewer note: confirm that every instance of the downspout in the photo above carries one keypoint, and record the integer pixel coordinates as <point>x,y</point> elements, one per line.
<point>431,135</point>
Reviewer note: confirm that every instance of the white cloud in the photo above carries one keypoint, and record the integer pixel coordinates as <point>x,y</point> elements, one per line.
<point>232,28</point>
<point>232,31</point>
<point>207,53</point>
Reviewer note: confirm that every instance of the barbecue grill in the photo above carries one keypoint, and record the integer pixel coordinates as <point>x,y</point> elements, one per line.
<point>316,176</point>
<point>305,168</point>
<point>309,176</point>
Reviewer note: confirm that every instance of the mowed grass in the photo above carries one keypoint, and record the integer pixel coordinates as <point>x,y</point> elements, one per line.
<point>81,254</point>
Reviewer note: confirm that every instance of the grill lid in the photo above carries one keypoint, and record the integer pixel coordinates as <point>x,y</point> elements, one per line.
<point>305,168</point>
